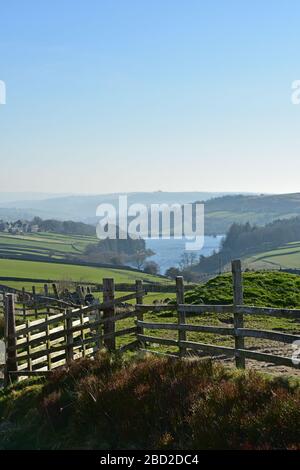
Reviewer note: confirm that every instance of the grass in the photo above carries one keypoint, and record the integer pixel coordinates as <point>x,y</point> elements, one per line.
<point>52,271</point>
<point>268,289</point>
<point>279,290</point>
<point>286,257</point>
<point>150,403</point>
<point>43,244</point>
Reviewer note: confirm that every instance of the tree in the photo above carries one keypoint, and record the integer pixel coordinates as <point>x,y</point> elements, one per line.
<point>188,260</point>
<point>151,268</point>
<point>140,256</point>
<point>173,272</point>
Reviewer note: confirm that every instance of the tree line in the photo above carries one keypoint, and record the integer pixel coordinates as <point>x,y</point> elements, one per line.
<point>246,239</point>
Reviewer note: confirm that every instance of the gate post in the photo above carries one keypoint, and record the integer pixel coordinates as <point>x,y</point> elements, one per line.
<point>109,312</point>
<point>11,364</point>
<point>180,313</point>
<point>140,315</point>
<point>238,320</point>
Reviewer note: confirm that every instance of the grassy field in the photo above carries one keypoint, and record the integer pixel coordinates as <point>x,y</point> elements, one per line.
<point>58,247</point>
<point>287,256</point>
<point>52,271</point>
<point>44,244</point>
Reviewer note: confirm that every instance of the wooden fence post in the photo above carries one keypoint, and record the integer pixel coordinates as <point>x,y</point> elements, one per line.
<point>69,336</point>
<point>23,305</point>
<point>139,300</point>
<point>34,300</point>
<point>55,290</point>
<point>29,360</point>
<point>48,341</point>
<point>238,320</point>
<point>80,295</point>
<point>180,314</point>
<point>109,312</point>
<point>82,335</point>
<point>10,339</point>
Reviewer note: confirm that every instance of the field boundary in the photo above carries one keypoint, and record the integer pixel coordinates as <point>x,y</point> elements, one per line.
<point>60,334</point>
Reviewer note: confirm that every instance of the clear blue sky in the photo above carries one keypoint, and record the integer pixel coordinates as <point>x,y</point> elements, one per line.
<point>125,95</point>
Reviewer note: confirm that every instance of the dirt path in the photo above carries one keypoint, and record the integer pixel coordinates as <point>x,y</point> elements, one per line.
<point>269,348</point>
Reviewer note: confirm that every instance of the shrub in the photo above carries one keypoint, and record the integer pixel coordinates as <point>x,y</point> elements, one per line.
<point>156,403</point>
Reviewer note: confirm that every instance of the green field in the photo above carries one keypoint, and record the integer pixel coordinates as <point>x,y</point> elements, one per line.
<point>67,272</point>
<point>44,244</point>
<point>57,247</point>
<point>287,256</point>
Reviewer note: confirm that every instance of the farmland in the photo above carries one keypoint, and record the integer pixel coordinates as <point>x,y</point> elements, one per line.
<point>65,272</point>
<point>285,257</point>
<point>43,244</point>
<point>56,249</point>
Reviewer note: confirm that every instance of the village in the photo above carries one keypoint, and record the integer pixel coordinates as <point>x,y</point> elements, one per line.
<point>19,227</point>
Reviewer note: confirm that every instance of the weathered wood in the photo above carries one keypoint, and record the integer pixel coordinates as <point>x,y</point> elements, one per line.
<point>23,329</point>
<point>154,339</point>
<point>29,347</point>
<point>31,373</point>
<point>238,320</point>
<point>266,334</point>
<point>139,301</point>
<point>69,339</point>
<point>265,357</point>
<point>210,348</point>
<point>79,332</point>
<point>109,313</point>
<point>46,292</point>
<point>80,295</point>
<point>155,307</point>
<point>180,312</point>
<point>34,300</point>
<point>188,327</point>
<point>55,290</point>
<point>23,305</point>
<point>130,346</point>
<point>198,309</point>
<point>124,331</point>
<point>139,294</point>
<point>48,342</point>
<point>9,337</point>
<point>248,310</point>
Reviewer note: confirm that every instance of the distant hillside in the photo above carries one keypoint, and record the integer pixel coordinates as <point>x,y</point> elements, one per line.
<point>83,207</point>
<point>246,240</point>
<point>222,212</point>
<point>221,209</point>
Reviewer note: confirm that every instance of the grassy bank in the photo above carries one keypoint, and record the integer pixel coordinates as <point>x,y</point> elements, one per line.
<point>268,289</point>
<point>150,403</point>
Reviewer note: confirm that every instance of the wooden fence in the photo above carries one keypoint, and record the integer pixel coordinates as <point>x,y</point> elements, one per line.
<point>37,346</point>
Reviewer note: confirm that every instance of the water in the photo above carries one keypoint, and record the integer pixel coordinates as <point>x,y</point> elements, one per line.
<point>169,252</point>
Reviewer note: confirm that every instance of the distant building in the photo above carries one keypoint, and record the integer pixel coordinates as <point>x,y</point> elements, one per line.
<point>34,228</point>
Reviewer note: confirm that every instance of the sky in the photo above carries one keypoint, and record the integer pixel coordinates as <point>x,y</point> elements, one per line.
<point>144,95</point>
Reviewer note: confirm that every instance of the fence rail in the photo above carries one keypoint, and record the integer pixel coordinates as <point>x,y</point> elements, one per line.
<point>64,334</point>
